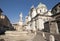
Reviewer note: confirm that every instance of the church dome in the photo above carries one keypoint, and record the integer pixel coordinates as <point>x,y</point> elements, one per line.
<point>41,5</point>
<point>41,8</point>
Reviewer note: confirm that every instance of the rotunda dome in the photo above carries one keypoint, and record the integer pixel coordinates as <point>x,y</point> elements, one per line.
<point>41,5</point>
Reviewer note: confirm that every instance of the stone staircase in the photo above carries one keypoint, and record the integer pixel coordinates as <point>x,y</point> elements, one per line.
<point>22,36</point>
<point>16,36</point>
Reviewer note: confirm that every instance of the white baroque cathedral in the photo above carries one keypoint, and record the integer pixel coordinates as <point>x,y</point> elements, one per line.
<point>35,19</point>
<point>40,24</point>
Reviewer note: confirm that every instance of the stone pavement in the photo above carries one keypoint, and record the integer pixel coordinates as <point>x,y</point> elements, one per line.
<point>38,37</point>
<point>16,36</point>
<point>21,36</point>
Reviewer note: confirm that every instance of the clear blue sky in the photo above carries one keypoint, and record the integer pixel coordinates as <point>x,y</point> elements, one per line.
<point>12,8</point>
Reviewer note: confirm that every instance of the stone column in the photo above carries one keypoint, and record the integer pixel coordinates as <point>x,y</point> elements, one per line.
<point>43,34</point>
<point>28,27</point>
<point>57,29</point>
<point>33,25</point>
<point>54,27</point>
<point>37,24</point>
<point>52,38</point>
<point>40,24</point>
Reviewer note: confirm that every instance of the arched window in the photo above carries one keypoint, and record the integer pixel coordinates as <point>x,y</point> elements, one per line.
<point>40,11</point>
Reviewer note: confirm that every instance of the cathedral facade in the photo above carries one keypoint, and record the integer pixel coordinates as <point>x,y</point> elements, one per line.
<point>42,21</point>
<point>46,23</point>
<point>37,17</point>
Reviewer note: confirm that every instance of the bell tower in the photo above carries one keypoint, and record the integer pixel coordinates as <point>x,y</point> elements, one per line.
<point>21,19</point>
<point>20,23</point>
